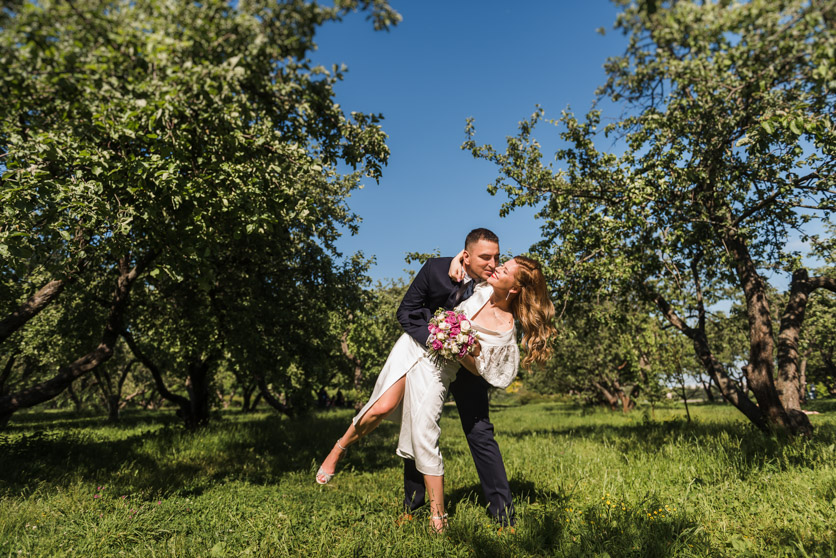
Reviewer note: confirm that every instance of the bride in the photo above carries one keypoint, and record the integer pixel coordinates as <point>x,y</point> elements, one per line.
<point>413,388</point>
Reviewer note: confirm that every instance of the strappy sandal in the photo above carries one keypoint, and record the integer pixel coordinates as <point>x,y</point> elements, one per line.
<point>324,478</point>
<point>443,519</point>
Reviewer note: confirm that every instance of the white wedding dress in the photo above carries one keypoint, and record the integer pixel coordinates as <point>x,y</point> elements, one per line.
<point>426,384</point>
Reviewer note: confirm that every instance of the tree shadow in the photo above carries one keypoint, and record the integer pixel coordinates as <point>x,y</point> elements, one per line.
<point>549,526</point>
<point>259,449</point>
<point>754,448</point>
<point>521,491</point>
<point>822,405</point>
<point>57,449</point>
<point>71,420</point>
<point>819,544</point>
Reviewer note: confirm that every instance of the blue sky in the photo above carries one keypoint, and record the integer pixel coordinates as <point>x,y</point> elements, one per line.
<point>445,62</point>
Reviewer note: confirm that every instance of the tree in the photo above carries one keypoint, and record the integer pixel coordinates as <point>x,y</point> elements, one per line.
<point>368,336</point>
<point>818,342</point>
<point>140,136</point>
<point>609,352</point>
<point>728,139</point>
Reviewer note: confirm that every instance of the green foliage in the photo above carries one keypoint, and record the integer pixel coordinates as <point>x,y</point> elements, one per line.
<point>698,80</point>
<point>198,137</point>
<point>818,343</point>
<point>153,123</point>
<point>584,484</point>
<point>368,334</point>
<point>421,257</point>
<point>610,352</point>
<point>728,148</point>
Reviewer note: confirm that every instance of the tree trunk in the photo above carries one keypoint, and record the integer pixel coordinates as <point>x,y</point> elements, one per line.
<point>789,377</point>
<point>627,403</point>
<point>760,376</point>
<point>706,386</point>
<point>225,400</point>
<point>49,389</point>
<point>802,374</point>
<point>7,371</point>
<point>32,307</point>
<point>728,387</point>
<point>609,398</point>
<point>194,409</point>
<point>113,407</point>
<point>197,386</point>
<point>246,396</point>
<point>113,397</point>
<point>788,381</point>
<point>256,401</point>
<point>74,398</point>
<point>125,400</point>
<point>625,398</point>
<point>271,399</point>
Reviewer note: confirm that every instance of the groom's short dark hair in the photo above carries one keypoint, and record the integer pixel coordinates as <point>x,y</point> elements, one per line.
<point>476,235</point>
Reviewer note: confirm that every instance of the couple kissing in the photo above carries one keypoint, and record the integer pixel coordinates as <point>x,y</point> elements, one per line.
<point>412,386</point>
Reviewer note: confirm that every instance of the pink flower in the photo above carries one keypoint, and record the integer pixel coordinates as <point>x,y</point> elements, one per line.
<point>455,330</point>
<point>97,496</point>
<point>437,345</point>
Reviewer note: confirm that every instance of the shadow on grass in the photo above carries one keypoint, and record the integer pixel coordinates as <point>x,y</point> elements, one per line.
<point>522,491</point>
<point>70,420</point>
<point>549,527</point>
<point>152,452</point>
<point>741,443</point>
<point>822,405</point>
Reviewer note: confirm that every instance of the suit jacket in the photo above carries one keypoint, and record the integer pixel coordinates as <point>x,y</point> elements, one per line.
<point>431,289</point>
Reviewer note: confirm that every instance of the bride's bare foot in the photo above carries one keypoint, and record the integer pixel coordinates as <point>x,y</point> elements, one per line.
<point>329,466</point>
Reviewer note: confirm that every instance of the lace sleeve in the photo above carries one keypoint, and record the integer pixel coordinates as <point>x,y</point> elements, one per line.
<point>499,364</point>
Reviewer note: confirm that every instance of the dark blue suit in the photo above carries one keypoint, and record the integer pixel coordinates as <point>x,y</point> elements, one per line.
<point>431,289</point>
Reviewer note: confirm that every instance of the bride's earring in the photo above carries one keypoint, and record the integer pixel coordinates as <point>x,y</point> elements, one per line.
<point>508,295</point>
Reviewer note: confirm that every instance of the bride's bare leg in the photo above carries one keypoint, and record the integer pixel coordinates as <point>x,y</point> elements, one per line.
<point>367,423</point>
<point>390,399</point>
<point>435,490</point>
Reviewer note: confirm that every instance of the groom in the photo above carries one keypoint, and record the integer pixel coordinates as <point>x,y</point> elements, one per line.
<point>431,289</point>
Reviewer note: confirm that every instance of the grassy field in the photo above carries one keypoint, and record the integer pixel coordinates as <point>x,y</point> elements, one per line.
<point>586,484</point>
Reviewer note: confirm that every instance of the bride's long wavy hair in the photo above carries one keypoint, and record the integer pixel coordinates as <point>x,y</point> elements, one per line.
<point>535,311</point>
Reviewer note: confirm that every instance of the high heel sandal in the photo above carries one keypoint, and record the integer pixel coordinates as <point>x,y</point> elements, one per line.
<point>321,476</point>
<point>442,519</point>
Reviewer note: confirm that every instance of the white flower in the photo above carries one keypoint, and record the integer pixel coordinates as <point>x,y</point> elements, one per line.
<point>465,326</point>
<point>444,325</point>
<point>441,336</point>
<point>461,339</point>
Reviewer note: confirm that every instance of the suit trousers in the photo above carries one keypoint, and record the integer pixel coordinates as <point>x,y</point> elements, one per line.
<point>471,395</point>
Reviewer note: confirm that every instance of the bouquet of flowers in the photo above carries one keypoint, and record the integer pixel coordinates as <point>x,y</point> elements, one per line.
<point>451,336</point>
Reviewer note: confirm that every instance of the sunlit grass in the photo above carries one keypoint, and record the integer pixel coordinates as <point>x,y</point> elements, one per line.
<point>585,483</point>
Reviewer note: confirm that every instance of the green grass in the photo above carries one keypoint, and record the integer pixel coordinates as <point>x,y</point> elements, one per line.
<point>585,484</point>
